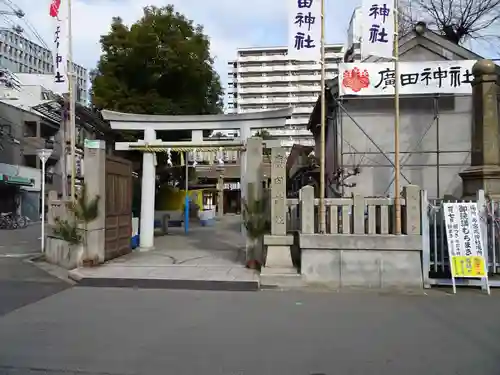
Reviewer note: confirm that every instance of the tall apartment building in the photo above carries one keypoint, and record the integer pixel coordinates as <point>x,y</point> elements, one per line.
<point>20,55</point>
<point>354,33</point>
<point>265,78</point>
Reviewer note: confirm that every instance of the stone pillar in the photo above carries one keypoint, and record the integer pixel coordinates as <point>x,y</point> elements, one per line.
<point>278,191</point>
<point>245,134</point>
<point>250,170</point>
<point>411,194</point>
<point>95,184</point>
<point>220,195</point>
<point>279,269</point>
<point>484,172</point>
<point>147,218</point>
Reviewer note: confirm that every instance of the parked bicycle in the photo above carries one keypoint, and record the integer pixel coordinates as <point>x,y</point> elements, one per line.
<point>9,220</point>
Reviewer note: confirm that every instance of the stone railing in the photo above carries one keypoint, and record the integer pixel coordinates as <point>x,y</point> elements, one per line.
<point>355,215</point>
<point>57,209</point>
<point>359,249</point>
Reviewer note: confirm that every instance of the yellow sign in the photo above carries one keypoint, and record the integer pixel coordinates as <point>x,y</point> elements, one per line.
<point>468,266</point>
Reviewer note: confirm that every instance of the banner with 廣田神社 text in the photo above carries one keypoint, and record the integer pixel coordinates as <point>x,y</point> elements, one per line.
<point>304,30</point>
<point>419,77</point>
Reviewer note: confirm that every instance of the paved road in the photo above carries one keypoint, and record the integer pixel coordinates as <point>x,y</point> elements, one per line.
<point>19,242</point>
<point>22,283</point>
<point>127,331</point>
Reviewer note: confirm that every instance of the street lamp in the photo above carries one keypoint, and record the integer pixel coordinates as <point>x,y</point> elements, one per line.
<point>43,155</point>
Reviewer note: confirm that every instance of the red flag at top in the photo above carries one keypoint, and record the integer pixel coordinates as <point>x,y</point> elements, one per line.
<point>54,8</point>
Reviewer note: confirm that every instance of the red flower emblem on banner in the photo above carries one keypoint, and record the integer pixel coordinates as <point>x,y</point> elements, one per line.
<point>356,80</point>
<point>54,8</point>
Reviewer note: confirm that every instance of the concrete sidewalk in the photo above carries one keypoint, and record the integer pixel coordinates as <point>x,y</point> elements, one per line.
<point>207,258</point>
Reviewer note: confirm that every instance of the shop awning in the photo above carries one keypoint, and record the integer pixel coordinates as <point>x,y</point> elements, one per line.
<point>16,180</point>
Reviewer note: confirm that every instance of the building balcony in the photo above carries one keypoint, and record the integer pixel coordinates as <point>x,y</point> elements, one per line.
<point>285,78</point>
<point>283,68</point>
<point>281,100</point>
<point>283,89</point>
<point>243,59</point>
<point>290,133</point>
<point>31,145</point>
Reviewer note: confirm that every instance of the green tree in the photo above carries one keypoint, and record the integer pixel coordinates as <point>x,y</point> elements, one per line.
<point>159,65</point>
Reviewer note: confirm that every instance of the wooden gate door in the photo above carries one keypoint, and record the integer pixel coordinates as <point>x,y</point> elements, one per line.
<point>118,207</point>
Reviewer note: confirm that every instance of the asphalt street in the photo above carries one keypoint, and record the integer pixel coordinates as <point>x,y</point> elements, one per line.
<point>20,242</point>
<point>22,283</point>
<point>133,331</point>
<point>50,328</point>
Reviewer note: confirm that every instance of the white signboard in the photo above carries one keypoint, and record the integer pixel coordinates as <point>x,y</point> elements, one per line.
<point>59,12</point>
<point>304,30</point>
<point>422,77</point>
<point>377,38</point>
<point>466,250</point>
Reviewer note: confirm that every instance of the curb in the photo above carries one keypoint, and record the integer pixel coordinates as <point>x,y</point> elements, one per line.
<point>175,284</point>
<point>53,270</point>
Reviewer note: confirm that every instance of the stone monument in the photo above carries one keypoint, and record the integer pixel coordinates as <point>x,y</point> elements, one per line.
<point>279,269</point>
<point>484,172</point>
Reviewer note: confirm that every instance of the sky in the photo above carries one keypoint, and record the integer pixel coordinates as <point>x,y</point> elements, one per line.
<point>230,24</point>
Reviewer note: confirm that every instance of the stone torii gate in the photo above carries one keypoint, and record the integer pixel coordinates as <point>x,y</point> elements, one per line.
<point>150,124</point>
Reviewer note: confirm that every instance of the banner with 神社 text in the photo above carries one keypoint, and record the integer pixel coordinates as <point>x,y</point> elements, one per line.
<point>58,11</point>
<point>304,30</point>
<point>419,77</point>
<point>378,28</point>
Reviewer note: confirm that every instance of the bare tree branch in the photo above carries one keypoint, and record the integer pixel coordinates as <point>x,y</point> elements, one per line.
<point>456,20</point>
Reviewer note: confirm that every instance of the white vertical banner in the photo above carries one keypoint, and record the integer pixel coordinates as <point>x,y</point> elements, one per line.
<point>59,11</point>
<point>304,30</point>
<point>378,28</point>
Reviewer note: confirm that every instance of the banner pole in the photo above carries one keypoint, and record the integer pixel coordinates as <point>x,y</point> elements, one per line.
<point>72,102</point>
<point>397,172</point>
<point>322,210</point>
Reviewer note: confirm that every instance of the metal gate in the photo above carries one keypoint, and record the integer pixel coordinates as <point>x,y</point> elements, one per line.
<point>435,258</point>
<point>118,207</point>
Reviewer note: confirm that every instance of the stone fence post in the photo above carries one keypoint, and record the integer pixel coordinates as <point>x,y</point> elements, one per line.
<point>307,211</point>
<point>411,194</point>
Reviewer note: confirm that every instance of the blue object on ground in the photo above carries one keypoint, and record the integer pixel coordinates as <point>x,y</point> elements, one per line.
<point>134,241</point>
<point>186,214</point>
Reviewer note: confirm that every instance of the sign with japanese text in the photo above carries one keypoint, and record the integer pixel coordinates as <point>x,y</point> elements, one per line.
<point>465,244</point>
<point>58,11</point>
<point>377,38</point>
<point>304,30</point>
<point>422,77</point>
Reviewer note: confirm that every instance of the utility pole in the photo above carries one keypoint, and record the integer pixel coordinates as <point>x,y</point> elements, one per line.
<point>72,102</point>
<point>397,172</point>
<point>322,209</point>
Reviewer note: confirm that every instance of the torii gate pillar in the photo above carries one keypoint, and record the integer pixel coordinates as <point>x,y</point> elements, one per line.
<point>148,194</point>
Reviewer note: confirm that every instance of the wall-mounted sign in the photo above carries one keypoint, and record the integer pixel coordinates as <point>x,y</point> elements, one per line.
<point>93,143</point>
<point>422,77</point>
